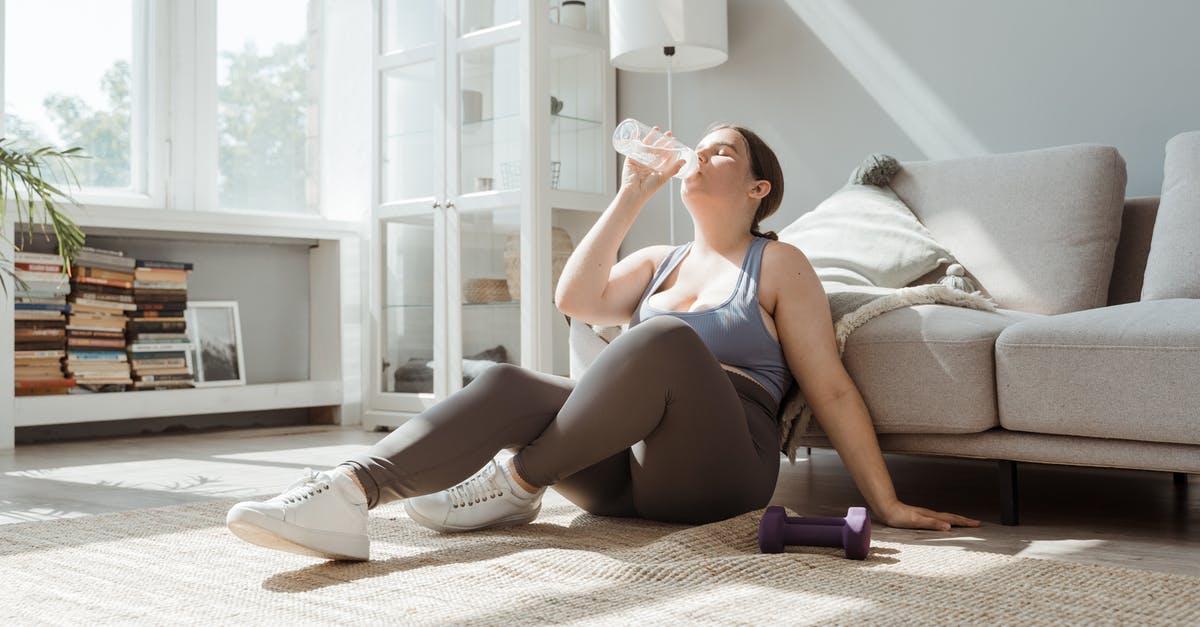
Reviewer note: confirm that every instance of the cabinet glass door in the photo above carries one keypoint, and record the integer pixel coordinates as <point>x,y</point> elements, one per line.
<point>484,251</point>
<point>488,321</point>
<point>489,139</point>
<point>409,150</point>
<point>577,131</point>
<point>481,14</point>
<point>410,212</point>
<point>408,328</point>
<point>410,24</point>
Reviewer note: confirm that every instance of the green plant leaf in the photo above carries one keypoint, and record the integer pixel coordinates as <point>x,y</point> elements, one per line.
<point>37,203</point>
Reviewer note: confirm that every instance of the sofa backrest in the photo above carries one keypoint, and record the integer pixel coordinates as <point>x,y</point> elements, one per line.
<point>1129,264</point>
<point>1171,266</point>
<point>1037,229</point>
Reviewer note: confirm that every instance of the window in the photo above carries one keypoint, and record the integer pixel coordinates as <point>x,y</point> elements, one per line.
<point>75,74</point>
<point>263,106</point>
<point>187,104</point>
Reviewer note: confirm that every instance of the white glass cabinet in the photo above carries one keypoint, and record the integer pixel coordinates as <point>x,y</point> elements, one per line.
<point>491,160</point>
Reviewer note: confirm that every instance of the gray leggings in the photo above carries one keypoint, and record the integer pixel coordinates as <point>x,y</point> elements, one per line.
<point>656,429</point>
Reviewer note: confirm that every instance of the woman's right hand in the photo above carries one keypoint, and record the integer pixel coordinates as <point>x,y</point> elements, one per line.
<point>643,180</point>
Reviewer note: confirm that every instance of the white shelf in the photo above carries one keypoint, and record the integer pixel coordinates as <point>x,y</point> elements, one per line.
<point>210,225</point>
<point>72,408</point>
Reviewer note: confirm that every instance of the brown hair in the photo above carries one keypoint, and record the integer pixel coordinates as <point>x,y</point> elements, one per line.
<point>763,165</point>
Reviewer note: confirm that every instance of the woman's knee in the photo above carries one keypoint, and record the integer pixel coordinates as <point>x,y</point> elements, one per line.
<point>668,334</point>
<point>500,376</point>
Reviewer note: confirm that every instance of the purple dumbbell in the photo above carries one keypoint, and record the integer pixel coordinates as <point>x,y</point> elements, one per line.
<point>853,532</point>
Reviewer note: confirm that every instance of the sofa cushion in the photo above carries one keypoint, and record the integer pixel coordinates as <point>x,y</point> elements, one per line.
<point>1129,371</point>
<point>929,368</point>
<point>1171,266</point>
<point>1037,229</point>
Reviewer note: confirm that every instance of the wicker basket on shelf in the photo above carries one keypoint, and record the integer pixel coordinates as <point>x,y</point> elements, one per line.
<point>560,249</point>
<point>485,290</point>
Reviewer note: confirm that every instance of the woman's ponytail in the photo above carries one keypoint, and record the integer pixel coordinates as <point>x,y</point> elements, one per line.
<point>771,235</point>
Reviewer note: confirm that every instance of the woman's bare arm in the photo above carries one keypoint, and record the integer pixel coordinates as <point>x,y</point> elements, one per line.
<point>593,287</point>
<point>805,327</point>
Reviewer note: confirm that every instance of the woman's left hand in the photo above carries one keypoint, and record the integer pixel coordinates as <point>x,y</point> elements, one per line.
<point>910,517</point>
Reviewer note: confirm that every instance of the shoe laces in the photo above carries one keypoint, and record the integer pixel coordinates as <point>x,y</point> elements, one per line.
<point>308,486</point>
<point>480,488</point>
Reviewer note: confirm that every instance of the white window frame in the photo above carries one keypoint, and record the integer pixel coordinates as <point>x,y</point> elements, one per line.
<point>149,116</point>
<point>193,95</point>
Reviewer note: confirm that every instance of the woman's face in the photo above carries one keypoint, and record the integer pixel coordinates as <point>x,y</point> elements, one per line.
<point>724,169</point>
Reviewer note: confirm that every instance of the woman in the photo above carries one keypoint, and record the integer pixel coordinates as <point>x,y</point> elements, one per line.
<point>676,419</point>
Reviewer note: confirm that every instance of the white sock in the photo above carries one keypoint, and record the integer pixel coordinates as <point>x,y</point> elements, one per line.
<point>516,487</point>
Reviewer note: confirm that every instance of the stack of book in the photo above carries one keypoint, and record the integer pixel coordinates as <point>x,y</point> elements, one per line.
<point>159,350</point>
<point>101,294</point>
<point>40,334</point>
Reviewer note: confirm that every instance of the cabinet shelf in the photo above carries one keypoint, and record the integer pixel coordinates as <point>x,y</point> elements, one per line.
<point>72,408</point>
<point>211,226</point>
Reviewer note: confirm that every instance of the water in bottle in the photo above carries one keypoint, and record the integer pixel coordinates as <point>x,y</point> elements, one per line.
<point>642,143</point>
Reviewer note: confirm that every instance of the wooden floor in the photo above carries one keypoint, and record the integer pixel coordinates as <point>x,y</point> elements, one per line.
<point>1111,517</point>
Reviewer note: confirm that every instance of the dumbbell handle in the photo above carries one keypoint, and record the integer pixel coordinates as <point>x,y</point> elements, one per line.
<point>813,531</point>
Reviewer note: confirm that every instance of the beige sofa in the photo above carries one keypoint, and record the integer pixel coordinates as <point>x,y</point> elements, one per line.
<point>1093,355</point>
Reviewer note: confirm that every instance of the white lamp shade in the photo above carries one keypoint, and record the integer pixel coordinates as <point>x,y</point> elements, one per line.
<point>640,29</point>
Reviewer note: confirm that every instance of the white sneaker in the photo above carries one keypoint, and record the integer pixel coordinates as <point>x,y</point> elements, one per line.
<point>324,514</point>
<point>488,499</point>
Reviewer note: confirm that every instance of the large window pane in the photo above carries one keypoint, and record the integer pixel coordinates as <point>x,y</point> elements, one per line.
<point>74,75</point>
<point>265,142</point>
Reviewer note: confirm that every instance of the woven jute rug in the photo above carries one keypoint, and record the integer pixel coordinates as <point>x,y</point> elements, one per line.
<point>179,565</point>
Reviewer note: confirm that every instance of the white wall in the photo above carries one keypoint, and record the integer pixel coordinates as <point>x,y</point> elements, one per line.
<point>932,79</point>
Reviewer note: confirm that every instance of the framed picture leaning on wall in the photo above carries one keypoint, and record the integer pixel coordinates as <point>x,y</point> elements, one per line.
<point>215,330</point>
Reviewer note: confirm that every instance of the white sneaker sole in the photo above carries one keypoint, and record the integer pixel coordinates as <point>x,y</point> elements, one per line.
<point>511,521</point>
<point>257,528</point>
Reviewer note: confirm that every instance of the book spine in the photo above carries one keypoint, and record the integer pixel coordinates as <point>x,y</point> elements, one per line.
<point>164,265</point>
<point>160,347</point>
<point>39,354</point>
<point>95,342</point>
<point>39,307</point>
<point>98,355</point>
<point>38,267</point>
<point>87,280</point>
<point>46,383</point>
<point>44,258</point>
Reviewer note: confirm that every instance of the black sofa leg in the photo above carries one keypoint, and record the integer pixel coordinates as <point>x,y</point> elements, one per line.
<point>1008,493</point>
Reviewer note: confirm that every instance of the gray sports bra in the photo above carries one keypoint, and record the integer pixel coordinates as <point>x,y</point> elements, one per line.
<point>734,330</point>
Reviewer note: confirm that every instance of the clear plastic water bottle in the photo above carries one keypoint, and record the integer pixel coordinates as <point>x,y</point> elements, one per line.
<point>642,143</point>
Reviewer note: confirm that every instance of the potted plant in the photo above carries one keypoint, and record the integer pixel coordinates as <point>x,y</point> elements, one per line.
<point>24,176</point>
